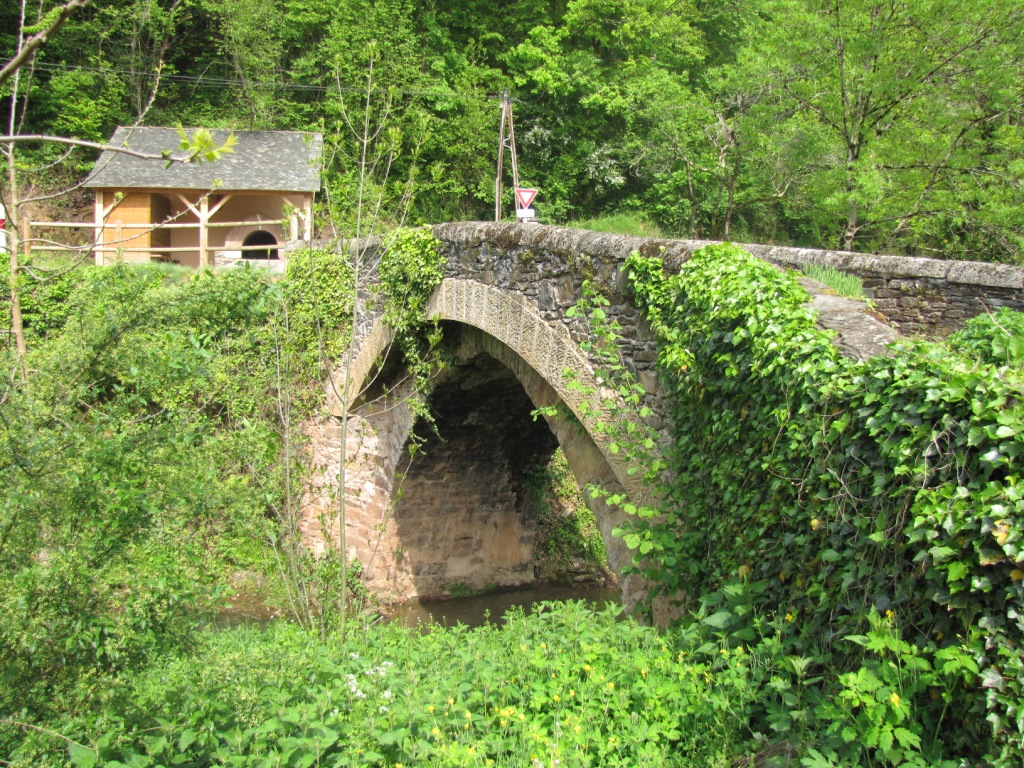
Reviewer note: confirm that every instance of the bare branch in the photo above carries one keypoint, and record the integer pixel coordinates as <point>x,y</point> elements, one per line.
<point>25,138</point>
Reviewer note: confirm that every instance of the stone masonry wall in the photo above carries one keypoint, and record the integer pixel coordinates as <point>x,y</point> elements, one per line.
<point>918,296</point>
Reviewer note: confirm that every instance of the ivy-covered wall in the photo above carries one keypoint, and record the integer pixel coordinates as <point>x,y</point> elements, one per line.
<point>820,493</point>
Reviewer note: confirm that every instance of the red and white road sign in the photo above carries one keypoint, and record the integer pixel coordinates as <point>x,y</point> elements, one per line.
<point>524,197</point>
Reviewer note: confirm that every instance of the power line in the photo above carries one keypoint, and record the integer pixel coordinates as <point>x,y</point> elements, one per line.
<point>221,82</point>
<point>660,16</point>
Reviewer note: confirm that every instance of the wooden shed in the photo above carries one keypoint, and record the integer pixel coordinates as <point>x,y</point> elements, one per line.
<point>247,204</point>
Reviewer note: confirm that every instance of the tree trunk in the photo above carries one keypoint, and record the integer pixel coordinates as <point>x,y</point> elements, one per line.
<point>693,199</point>
<point>852,153</point>
<point>13,249</point>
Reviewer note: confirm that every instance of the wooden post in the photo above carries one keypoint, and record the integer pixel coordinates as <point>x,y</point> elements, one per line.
<point>506,140</point>
<point>501,156</point>
<point>98,233</point>
<point>204,232</point>
<point>512,147</point>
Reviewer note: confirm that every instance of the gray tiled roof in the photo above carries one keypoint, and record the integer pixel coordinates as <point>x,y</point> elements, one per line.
<point>285,161</point>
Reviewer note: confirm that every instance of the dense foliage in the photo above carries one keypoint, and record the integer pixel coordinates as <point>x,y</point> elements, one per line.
<point>568,538</point>
<point>858,123</point>
<point>566,686</point>
<point>152,450</point>
<point>125,472</point>
<point>843,496</point>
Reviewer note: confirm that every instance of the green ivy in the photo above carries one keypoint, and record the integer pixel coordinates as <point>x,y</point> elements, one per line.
<point>411,267</point>
<point>996,338</point>
<point>830,488</point>
<point>567,532</point>
<point>319,288</point>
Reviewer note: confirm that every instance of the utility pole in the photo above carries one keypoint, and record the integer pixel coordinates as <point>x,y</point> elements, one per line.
<point>506,140</point>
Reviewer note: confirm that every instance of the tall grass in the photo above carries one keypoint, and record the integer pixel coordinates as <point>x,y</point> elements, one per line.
<point>619,224</point>
<point>840,282</point>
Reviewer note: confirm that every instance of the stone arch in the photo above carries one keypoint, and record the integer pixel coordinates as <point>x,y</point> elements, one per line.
<point>507,318</point>
<point>502,326</point>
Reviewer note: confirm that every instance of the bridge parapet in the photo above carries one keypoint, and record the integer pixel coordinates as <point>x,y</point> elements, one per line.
<point>916,295</point>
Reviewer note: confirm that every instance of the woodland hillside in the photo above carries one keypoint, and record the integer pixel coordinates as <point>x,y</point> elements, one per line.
<point>893,126</point>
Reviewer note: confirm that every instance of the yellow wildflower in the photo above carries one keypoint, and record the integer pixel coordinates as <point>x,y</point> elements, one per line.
<point>895,699</point>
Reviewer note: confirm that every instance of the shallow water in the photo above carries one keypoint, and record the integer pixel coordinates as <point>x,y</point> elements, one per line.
<point>249,611</point>
<point>481,609</point>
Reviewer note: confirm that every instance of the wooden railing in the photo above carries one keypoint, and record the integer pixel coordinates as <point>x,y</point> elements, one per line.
<point>144,229</point>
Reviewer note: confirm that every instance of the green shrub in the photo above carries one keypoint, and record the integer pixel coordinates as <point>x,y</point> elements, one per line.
<point>125,468</point>
<point>318,288</point>
<point>563,686</point>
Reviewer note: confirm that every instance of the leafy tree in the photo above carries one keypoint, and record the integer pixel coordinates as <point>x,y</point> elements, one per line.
<point>906,92</point>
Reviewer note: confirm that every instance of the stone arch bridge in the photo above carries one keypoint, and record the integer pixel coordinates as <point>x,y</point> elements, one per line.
<point>460,515</point>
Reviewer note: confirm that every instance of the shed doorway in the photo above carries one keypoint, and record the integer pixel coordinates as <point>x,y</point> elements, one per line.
<point>260,237</point>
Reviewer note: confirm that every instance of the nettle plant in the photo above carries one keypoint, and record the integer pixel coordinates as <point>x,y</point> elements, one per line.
<point>805,491</point>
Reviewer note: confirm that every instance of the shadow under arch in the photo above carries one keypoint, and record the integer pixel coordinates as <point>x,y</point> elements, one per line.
<point>502,327</point>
